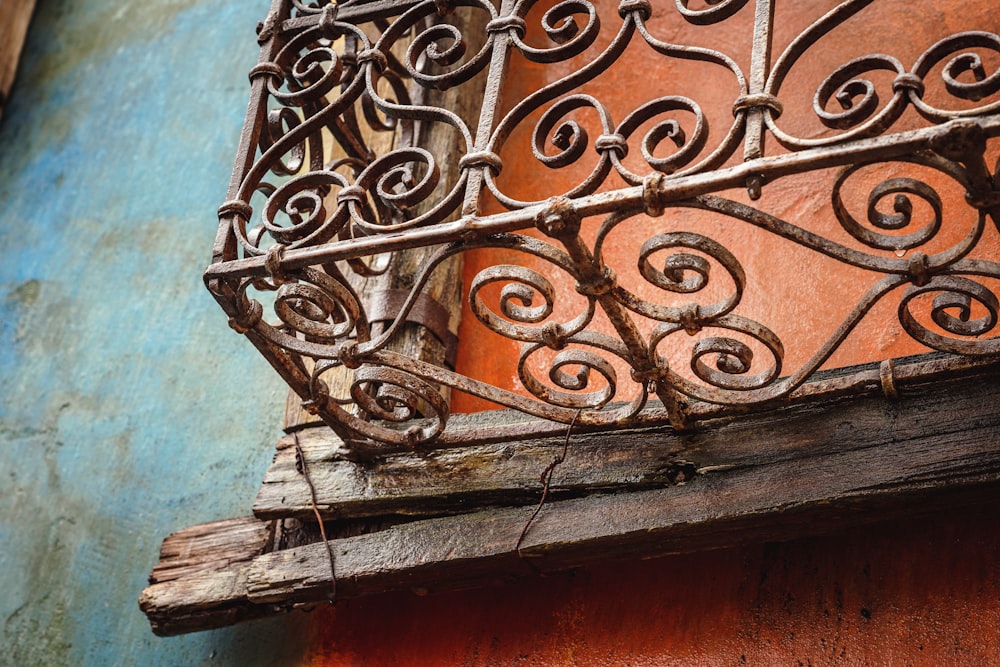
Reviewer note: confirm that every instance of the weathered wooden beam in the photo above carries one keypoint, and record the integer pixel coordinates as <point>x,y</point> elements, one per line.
<point>485,472</point>
<point>202,569</point>
<point>841,482</point>
<point>15,15</point>
<point>842,463</point>
<point>452,480</point>
<point>211,547</point>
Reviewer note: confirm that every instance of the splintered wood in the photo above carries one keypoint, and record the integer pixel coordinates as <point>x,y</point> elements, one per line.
<point>803,470</point>
<point>202,570</point>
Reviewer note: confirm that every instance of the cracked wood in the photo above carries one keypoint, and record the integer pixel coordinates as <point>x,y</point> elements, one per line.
<point>486,472</point>
<point>844,462</point>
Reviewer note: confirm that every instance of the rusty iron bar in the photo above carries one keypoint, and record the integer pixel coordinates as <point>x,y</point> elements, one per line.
<point>673,190</point>
<point>756,102</point>
<point>310,204</point>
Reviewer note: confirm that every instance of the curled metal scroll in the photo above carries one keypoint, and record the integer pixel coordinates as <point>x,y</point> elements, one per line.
<point>951,311</point>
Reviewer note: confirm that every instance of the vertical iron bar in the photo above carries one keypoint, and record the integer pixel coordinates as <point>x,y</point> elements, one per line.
<point>489,111</point>
<point>256,112</point>
<point>760,62</point>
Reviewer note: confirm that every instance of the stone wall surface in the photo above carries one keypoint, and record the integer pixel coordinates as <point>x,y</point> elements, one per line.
<point>128,409</point>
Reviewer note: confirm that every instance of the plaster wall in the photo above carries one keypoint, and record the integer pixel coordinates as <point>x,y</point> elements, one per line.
<point>128,409</point>
<point>920,592</point>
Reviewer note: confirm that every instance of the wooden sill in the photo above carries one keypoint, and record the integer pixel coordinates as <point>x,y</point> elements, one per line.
<point>817,467</point>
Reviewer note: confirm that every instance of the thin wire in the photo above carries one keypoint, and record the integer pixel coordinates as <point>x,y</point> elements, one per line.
<point>300,465</point>
<point>546,480</point>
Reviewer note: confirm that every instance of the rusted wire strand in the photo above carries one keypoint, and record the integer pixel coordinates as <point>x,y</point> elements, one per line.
<point>303,469</point>
<point>546,480</point>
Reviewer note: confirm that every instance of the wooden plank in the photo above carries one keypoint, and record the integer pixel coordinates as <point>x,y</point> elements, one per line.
<point>203,568</point>
<point>15,15</point>
<point>450,480</point>
<point>860,460</point>
<point>479,475</point>
<point>805,495</point>
<point>444,285</point>
<point>200,602</point>
<point>211,547</point>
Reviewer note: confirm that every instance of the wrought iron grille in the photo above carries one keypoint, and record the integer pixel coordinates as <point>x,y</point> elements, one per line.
<point>314,206</point>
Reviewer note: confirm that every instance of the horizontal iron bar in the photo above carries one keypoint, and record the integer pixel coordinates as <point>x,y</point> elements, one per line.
<point>862,380</point>
<point>671,190</point>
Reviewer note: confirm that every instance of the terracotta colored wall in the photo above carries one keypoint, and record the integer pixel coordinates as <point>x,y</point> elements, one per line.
<point>799,294</point>
<point>915,592</point>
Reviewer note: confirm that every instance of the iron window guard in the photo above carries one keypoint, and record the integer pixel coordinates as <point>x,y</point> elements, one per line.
<point>311,206</point>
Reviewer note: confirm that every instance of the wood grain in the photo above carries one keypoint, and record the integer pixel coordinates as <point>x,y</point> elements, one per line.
<point>806,471</point>
<point>202,569</point>
<point>211,547</point>
<point>444,285</point>
<point>490,473</point>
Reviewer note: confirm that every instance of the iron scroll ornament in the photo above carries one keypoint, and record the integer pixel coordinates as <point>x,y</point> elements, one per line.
<point>312,206</point>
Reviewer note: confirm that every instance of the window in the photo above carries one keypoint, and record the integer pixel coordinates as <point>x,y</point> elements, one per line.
<point>641,255</point>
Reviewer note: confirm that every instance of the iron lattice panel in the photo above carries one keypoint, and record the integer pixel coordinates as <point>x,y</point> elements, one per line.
<point>312,206</point>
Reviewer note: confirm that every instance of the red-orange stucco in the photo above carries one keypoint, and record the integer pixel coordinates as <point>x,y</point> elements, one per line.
<point>799,294</point>
<point>912,592</point>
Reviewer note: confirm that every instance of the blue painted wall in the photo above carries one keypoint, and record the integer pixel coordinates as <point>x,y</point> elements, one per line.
<point>129,410</point>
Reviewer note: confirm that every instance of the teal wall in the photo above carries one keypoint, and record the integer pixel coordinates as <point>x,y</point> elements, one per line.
<point>129,409</point>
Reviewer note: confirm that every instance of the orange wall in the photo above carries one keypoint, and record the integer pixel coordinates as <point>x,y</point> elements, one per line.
<point>799,294</point>
<point>914,592</point>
